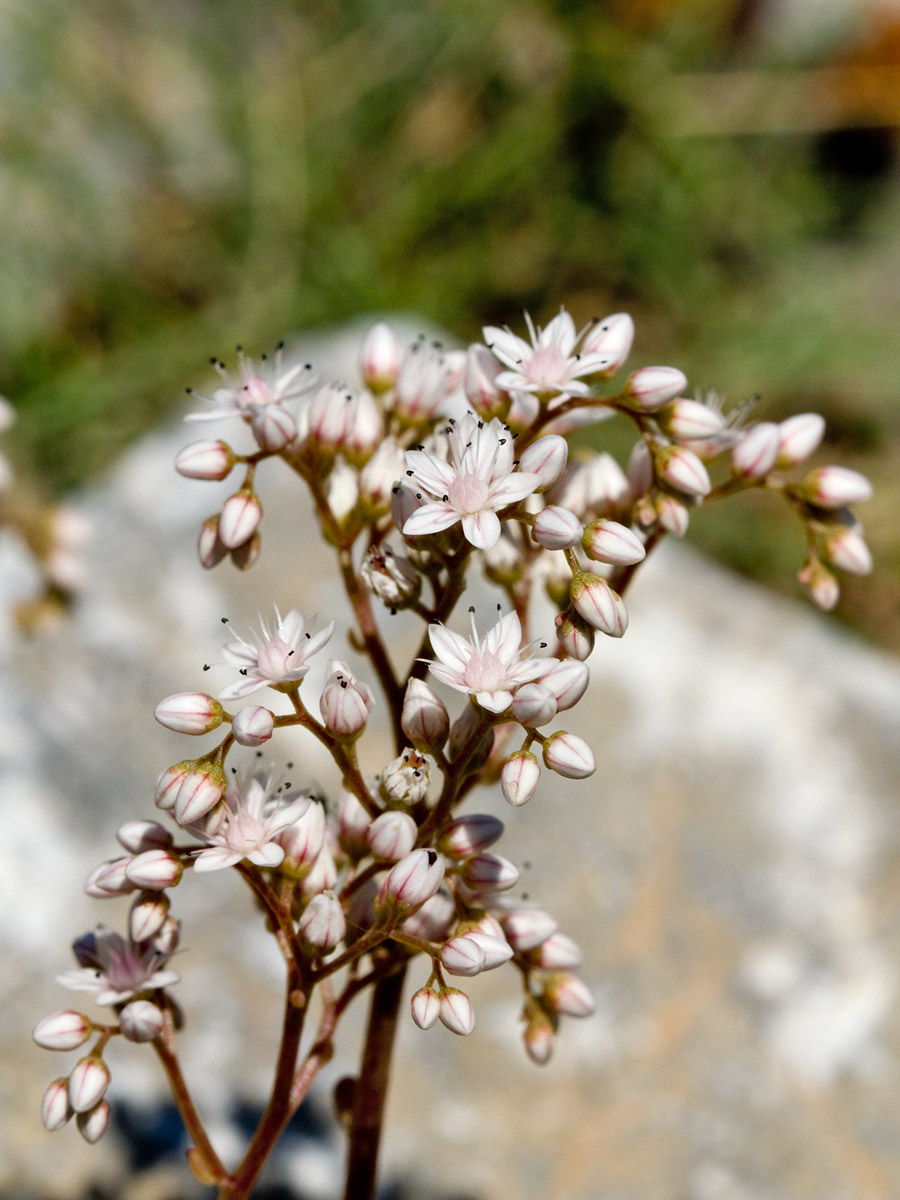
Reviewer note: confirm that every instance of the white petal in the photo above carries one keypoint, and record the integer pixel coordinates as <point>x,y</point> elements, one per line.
<point>506,346</point>
<point>482,529</point>
<point>495,702</point>
<point>215,858</point>
<point>430,518</point>
<point>242,687</point>
<point>451,648</point>
<point>268,855</point>
<point>291,628</point>
<point>433,473</point>
<point>561,332</point>
<point>505,638</point>
<point>512,488</point>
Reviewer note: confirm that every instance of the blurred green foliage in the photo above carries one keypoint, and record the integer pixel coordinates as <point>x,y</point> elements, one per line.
<point>182,175</point>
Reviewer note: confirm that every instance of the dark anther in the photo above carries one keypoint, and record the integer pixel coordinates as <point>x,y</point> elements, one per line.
<point>206,666</point>
<point>410,472</point>
<point>432,857</point>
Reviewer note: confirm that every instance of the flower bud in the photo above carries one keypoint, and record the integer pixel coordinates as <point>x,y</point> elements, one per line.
<point>846,549</point>
<point>556,528</point>
<point>365,430</point>
<point>456,1012</point>
<point>569,755</point>
<point>567,681</point>
<point>800,435</point>
<point>413,880</point>
<point>392,836</point>
<point>405,779</point>
<point>141,1021</point>
<point>469,835</point>
<point>205,460</point>
<point>136,836</point>
<point>65,1030</point>
<point>479,376</point>
<point>487,872</point>
<point>640,468</point>
<point>690,420</point>
<point>545,458</point>
<point>424,718</point>
<point>322,875</point>
<point>273,427</point>
<point>148,915</point>
<point>824,590</point>
<point>754,455</point>
<point>575,635</point>
<point>88,1083</point>
<point>533,705</point>
<point>462,956</point>
<point>353,825</point>
<point>201,790</point>
<point>671,514</point>
<point>599,605</point>
<point>169,782</point>
<point>404,502</point>
<point>243,557</point>
<point>519,778</point>
<point>252,725</point>
<point>565,993</point>
<point>345,703</point>
<point>538,1035</point>
<point>303,841</point>
<point>210,548</point>
<point>378,476</point>
<point>834,487</point>
<point>426,376</point>
<point>462,730</point>
<point>323,925</point>
<point>496,948</point>
<point>189,712</point>
<point>651,387</point>
<point>426,1007</point>
<point>109,879</point>
<point>683,470</point>
<point>609,542</point>
<point>56,1110</point>
<point>527,928</point>
<point>612,337</point>
<point>432,921</point>
<point>379,360</point>
<point>92,1124</point>
<point>155,870</point>
<point>240,518</point>
<point>556,952</point>
<point>167,939</point>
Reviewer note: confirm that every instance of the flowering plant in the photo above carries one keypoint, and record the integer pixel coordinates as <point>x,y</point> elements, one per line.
<point>433,465</point>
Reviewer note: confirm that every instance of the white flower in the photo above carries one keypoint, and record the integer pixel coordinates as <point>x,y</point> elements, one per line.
<point>275,657</point>
<point>116,969</point>
<point>258,387</point>
<point>478,481</point>
<point>490,669</point>
<point>255,815</point>
<point>550,366</point>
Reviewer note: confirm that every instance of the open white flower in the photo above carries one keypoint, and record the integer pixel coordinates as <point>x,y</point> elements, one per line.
<point>275,657</point>
<point>479,480</point>
<point>114,969</point>
<point>489,668</point>
<point>258,386</point>
<point>256,812</point>
<point>549,366</point>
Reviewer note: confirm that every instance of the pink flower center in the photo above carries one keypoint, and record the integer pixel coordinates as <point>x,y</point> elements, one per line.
<point>243,833</point>
<point>468,494</point>
<point>256,392</point>
<point>548,367</point>
<point>485,672</point>
<point>276,659</point>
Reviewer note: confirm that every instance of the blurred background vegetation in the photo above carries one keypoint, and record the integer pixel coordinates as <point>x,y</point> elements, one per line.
<point>179,176</point>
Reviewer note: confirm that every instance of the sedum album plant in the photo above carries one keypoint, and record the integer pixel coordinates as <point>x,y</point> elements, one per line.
<point>432,465</point>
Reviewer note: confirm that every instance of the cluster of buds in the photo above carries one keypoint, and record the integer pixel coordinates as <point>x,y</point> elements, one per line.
<point>462,459</point>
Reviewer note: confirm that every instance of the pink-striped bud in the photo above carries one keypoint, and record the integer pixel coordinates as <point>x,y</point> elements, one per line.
<point>651,387</point>
<point>545,458</point>
<point>462,956</point>
<point>683,470</point>
<point>538,1035</point>
<point>824,590</point>
<point>755,454</point>
<point>426,376</point>
<point>345,703</point>
<point>141,1021</point>
<point>800,436</point>
<point>169,782</point>
<point>479,384</point>
<point>148,915</point>
<point>556,528</point>
<point>244,556</point>
<point>672,515</point>
<point>690,420</point>
<point>93,1124</point>
<point>565,993</point>
<point>109,879</point>
<point>273,427</point>
<point>609,542</point>
<point>200,791</point>
<point>365,431</point>
<point>470,835</point>
<point>189,712</point>
<point>205,460</point>
<point>392,836</point>
<point>353,825</point>
<point>456,1012</point>
<point>575,635</point>
<point>210,548</point>
<point>88,1083</point>
<point>612,337</point>
<point>155,870</point>
<point>302,842</point>
<point>600,606</point>
<point>569,755</point>
<point>834,487</point>
<point>433,920</point>
<point>424,719</point>
<point>323,924</point>
<point>567,681</point>
<point>167,939</point>
<point>139,835</point>
<point>240,518</point>
<point>640,468</point>
<point>495,947</point>
<point>527,928</point>
<point>56,1110</point>
<point>487,872</point>
<point>65,1030</point>
<point>380,473</point>
<point>519,778</point>
<point>557,952</point>
<point>426,1006</point>
<point>533,705</point>
<point>252,726</point>
<point>322,875</point>
<point>413,880</point>
<point>846,549</point>
<point>379,360</point>
<point>329,415</point>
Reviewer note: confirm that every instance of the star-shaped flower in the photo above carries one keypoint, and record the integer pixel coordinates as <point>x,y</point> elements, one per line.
<point>269,383</point>
<point>115,969</point>
<point>256,812</point>
<point>549,366</point>
<point>275,657</point>
<point>479,480</point>
<point>489,668</point>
